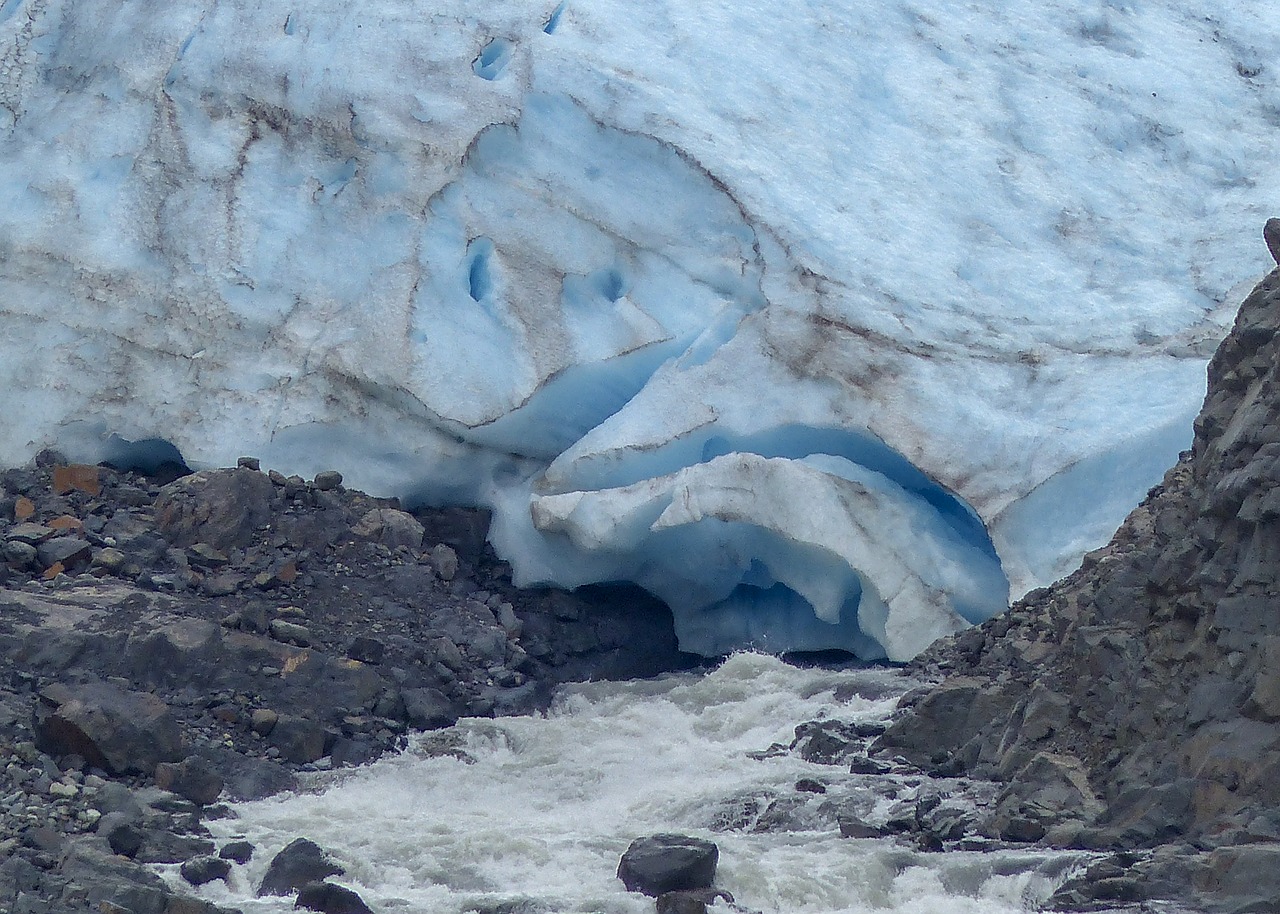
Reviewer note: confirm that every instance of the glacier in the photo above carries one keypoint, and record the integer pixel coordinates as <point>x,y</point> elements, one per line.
<point>834,326</point>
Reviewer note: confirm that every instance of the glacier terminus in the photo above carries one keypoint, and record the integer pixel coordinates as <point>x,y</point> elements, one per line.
<point>832,349</point>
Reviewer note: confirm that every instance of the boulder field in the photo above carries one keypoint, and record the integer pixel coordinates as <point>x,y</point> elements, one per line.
<point>168,643</point>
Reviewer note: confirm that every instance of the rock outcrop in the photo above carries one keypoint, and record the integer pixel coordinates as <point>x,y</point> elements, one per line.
<point>1136,703</point>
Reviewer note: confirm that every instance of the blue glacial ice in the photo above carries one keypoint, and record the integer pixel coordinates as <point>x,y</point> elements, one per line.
<point>833,349</point>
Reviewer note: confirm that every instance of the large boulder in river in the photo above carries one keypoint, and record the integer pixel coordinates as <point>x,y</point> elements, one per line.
<point>118,730</point>
<point>668,863</point>
<point>328,898</point>
<point>301,863</point>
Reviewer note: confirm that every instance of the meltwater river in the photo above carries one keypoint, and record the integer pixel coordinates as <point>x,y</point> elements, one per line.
<point>529,815</point>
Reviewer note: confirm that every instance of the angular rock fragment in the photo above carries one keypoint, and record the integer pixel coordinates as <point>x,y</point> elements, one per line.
<point>77,476</point>
<point>193,779</point>
<point>121,731</point>
<point>429,709</point>
<point>299,740</point>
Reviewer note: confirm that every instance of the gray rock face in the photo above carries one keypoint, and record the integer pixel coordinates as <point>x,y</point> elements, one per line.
<point>1139,698</point>
<point>660,864</point>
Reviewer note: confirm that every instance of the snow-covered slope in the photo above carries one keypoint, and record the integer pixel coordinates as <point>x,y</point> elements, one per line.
<point>819,321</point>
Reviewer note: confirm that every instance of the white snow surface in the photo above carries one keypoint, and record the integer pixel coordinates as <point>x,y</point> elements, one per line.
<point>770,309</point>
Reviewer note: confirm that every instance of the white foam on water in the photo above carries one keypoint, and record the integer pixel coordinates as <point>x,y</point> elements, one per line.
<point>540,809</point>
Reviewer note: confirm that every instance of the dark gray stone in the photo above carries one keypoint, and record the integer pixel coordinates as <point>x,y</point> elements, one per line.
<point>693,902</point>
<point>200,870</point>
<point>851,826</point>
<point>366,649</point>
<point>162,846</point>
<point>237,852</point>
<point>429,709</point>
<point>299,739</point>
<point>329,898</point>
<point>300,863</point>
<point>193,779</point>
<point>69,551</point>
<point>115,880</point>
<point>665,863</point>
<point>122,833</point>
<point>328,480</point>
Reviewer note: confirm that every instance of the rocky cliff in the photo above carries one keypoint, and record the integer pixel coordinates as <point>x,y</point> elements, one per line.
<point>1136,703</point>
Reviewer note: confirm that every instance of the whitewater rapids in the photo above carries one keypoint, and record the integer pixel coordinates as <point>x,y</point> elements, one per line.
<point>529,815</point>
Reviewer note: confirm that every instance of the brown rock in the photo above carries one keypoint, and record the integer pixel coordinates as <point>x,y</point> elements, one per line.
<point>23,509</point>
<point>77,476</point>
<point>221,508</point>
<point>263,721</point>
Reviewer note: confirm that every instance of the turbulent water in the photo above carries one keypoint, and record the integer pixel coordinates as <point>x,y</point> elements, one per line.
<point>529,815</point>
